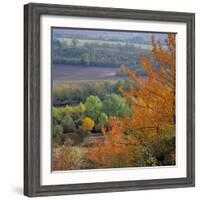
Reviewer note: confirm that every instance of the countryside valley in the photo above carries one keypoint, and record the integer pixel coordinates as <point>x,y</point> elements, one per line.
<point>101,84</point>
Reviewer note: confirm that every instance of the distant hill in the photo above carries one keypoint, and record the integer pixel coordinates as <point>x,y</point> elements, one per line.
<point>131,37</point>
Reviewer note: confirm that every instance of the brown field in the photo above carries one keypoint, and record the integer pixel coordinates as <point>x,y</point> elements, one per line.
<point>67,74</point>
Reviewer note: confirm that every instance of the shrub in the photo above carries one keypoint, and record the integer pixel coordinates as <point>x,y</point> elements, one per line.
<point>57,130</point>
<point>121,71</point>
<point>71,139</point>
<point>68,158</point>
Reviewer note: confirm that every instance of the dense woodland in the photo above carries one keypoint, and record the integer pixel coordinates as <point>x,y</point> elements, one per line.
<point>75,93</point>
<point>108,124</point>
<point>95,53</point>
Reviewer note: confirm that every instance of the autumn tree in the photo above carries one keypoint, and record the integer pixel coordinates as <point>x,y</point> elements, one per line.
<point>150,131</point>
<point>154,98</point>
<point>87,124</point>
<point>115,150</point>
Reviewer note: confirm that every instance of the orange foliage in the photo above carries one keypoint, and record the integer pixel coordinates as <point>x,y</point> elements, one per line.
<point>153,101</point>
<point>114,150</point>
<point>153,105</point>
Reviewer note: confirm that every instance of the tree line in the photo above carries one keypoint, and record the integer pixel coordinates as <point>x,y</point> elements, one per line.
<point>102,54</point>
<point>89,116</point>
<point>74,93</point>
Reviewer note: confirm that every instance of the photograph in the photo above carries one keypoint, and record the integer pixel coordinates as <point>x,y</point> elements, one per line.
<point>109,99</point>
<point>113,99</point>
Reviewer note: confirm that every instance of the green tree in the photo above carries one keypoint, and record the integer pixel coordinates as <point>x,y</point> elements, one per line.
<point>93,107</point>
<point>80,108</point>
<point>69,109</point>
<point>57,130</point>
<point>78,114</point>
<point>57,115</point>
<point>68,123</point>
<point>65,42</point>
<point>102,121</point>
<point>114,105</point>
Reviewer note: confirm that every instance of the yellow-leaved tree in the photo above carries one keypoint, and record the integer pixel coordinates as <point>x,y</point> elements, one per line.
<point>88,124</point>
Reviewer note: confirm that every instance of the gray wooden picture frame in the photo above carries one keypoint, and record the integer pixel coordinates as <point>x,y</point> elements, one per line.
<point>32,14</point>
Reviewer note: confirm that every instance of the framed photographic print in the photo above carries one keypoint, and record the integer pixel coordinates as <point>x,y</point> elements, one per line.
<point>109,99</point>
